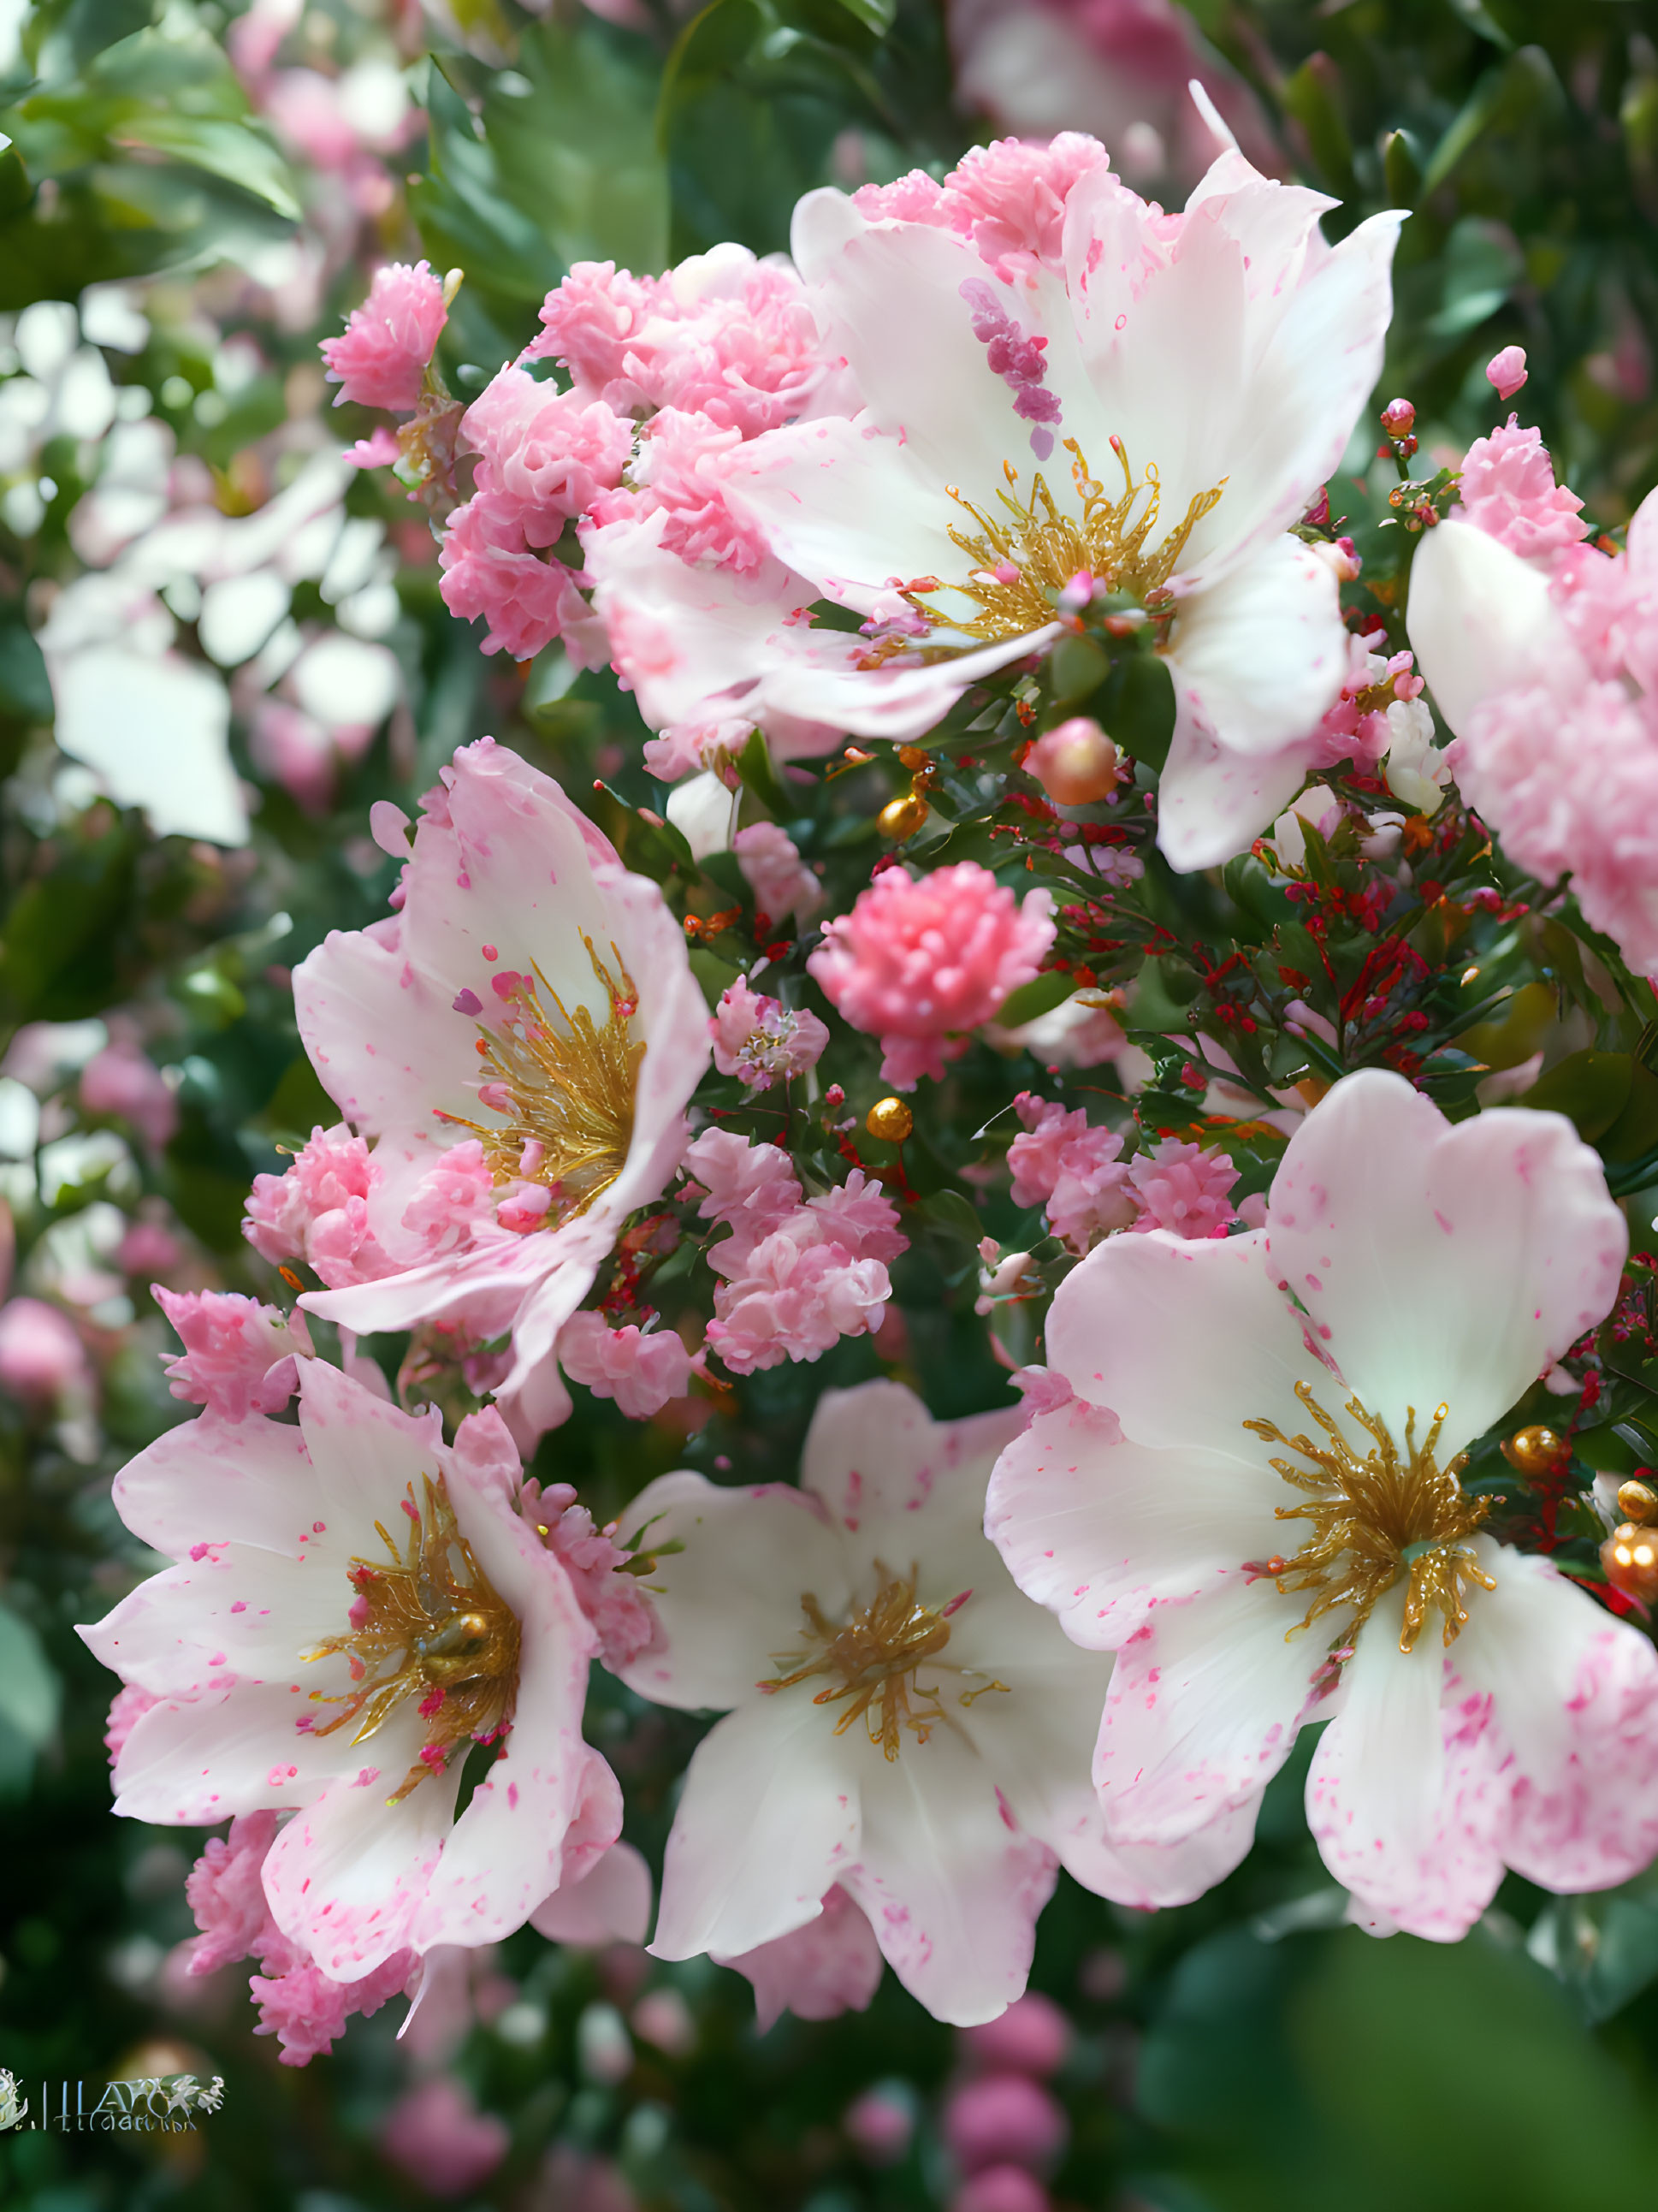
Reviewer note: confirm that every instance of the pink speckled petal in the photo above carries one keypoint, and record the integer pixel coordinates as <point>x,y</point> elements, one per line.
<point>1116,1317</point>
<point>1442,1264</point>
<point>1576,1700</point>
<point>247,1482</point>
<point>235,1612</point>
<point>1205,1700</point>
<point>1099,1530</point>
<point>768,1818</point>
<point>951,1883</point>
<point>194,1762</point>
<point>1405,1798</point>
<point>731,1599</point>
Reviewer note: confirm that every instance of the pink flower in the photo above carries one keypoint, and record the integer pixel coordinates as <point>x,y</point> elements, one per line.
<point>318,1210</point>
<point>124,1081</point>
<point>1406,1264</point>
<point>237,1354</point>
<point>306,2010</point>
<point>915,960</point>
<point>490,572</point>
<point>1509,491</point>
<point>436,2135</point>
<point>545,452</point>
<point>831,1965</point>
<point>531,999</point>
<point>382,356</point>
<point>42,1360</point>
<point>148,1250</point>
<point>641,1373</point>
<point>1009,198</point>
<point>781,882</point>
<point>1075,1172</point>
<point>1004,2119</point>
<point>795,1278</point>
<point>1001,2188</point>
<point>762,1041</point>
<point>676,466</point>
<point>882,2121</point>
<point>614,1600</point>
<point>1184,1189</point>
<point>1507,371</point>
<point>262,1678</point>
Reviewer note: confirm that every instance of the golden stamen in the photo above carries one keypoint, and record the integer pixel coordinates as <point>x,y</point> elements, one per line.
<point>1046,547</point>
<point>567,1094</point>
<point>428,1624</point>
<point>875,1654</point>
<point>1375,1519</point>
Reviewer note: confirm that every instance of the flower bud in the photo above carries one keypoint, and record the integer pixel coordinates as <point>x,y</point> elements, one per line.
<point>1075,763</point>
<point>1399,419</point>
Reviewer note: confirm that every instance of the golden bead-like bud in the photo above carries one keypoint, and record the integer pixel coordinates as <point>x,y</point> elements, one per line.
<point>1636,1502</point>
<point>889,1120</point>
<point>1629,1556</point>
<point>914,758</point>
<point>1534,1450</point>
<point>902,817</point>
<point>1075,763</point>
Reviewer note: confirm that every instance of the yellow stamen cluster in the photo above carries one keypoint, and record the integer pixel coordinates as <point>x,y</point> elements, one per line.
<point>1375,1519</point>
<point>874,1658</point>
<point>1046,546</point>
<point>565,1087</point>
<point>428,1625</point>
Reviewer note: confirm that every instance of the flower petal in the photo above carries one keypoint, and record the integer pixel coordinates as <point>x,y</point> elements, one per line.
<point>1101,1530</point>
<point>768,1819</point>
<point>244,1482</point>
<point>1213,803</point>
<point>1404,1797</point>
<point>730,1600</point>
<point>951,1885</point>
<point>611,1903</point>
<point>1575,1697</point>
<point>1205,1704</point>
<point>194,1762</point>
<point>1441,1263</point>
<point>1115,1317</point>
<point>238,1611</point>
<point>1257,658</point>
<point>900,1483</point>
<point>1481,618</point>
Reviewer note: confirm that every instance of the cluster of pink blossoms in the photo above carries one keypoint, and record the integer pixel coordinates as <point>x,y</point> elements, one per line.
<point>1076,1173</point>
<point>795,1277</point>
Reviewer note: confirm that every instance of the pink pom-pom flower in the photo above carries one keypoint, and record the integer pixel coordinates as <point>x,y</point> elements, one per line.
<point>381,355</point>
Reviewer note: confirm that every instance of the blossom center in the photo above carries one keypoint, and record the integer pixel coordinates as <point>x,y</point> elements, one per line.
<point>1375,1519</point>
<point>872,1659</point>
<point>564,1085</point>
<point>1027,548</point>
<point>428,1625</point>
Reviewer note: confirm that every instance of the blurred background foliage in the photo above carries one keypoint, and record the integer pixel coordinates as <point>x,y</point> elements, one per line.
<point>172,214</point>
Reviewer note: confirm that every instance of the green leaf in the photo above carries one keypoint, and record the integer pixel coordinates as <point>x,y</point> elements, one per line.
<point>1138,708</point>
<point>759,772</point>
<point>1039,996</point>
<point>876,16</point>
<point>1506,96</point>
<point>1591,1088</point>
<point>1482,265</point>
<point>1312,97</point>
<point>958,1216</point>
<point>25,689</point>
<point>31,1696</point>
<point>1401,166</point>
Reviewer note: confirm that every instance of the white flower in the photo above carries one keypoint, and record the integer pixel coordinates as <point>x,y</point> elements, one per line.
<point>899,1720</point>
<point>1279,1535</point>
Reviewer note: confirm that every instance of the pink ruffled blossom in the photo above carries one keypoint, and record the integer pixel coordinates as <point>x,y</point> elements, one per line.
<point>1073,1171</point>
<point>831,1965</point>
<point>306,2010</point>
<point>794,1278</point>
<point>1509,491</point>
<point>381,357</point>
<point>1009,198</point>
<point>318,1210</point>
<point>782,884</point>
<point>641,1372</point>
<point>436,2135</point>
<point>126,1709</point>
<point>677,468</point>
<point>489,573</point>
<point>546,452</point>
<point>1184,1189</point>
<point>238,1356</point>
<point>124,1081</point>
<point>616,1605</point>
<point>762,1041</point>
<point>917,960</point>
<point>1357,727</point>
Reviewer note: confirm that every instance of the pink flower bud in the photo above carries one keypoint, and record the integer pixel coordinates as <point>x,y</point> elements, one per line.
<point>41,1357</point>
<point>1399,419</point>
<point>1004,2119</point>
<point>1031,2037</point>
<point>1507,371</point>
<point>1002,2189</point>
<point>880,2124</point>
